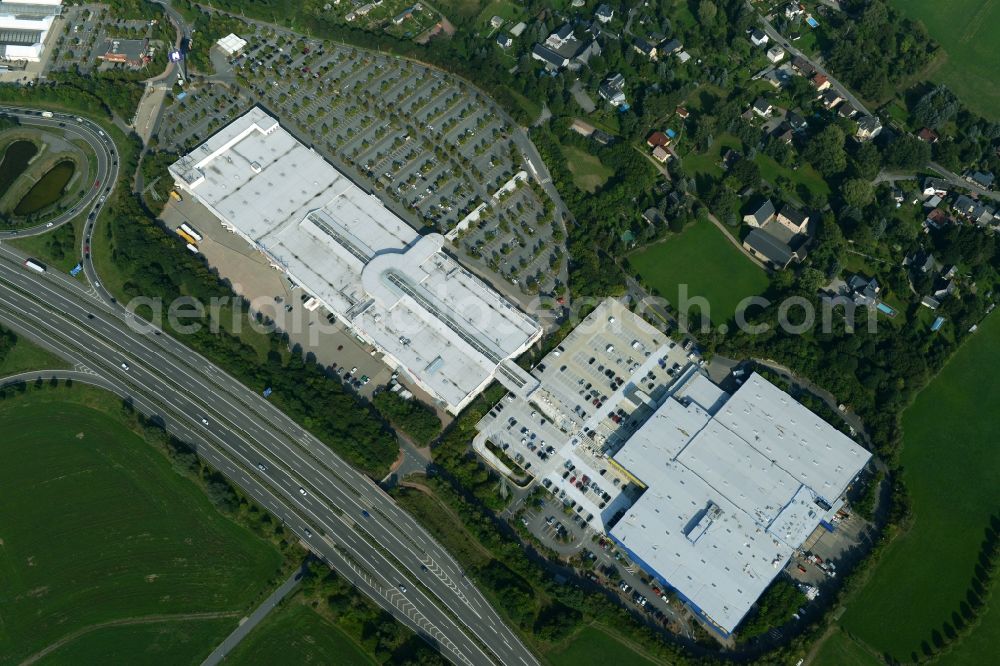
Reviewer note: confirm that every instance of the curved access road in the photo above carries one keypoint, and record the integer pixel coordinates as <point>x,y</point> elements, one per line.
<point>342,516</point>
<point>104,150</point>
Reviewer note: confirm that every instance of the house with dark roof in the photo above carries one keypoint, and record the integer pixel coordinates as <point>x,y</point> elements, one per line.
<point>613,90</point>
<point>937,219</point>
<point>793,219</point>
<point>504,40</point>
<point>762,107</point>
<point>847,110</point>
<point>763,214</point>
<point>671,47</point>
<point>783,132</point>
<point>803,66</point>
<point>642,47</point>
<point>863,290</point>
<point>653,216</point>
<point>757,37</point>
<point>831,98</point>
<point>551,59</point>
<point>935,186</point>
<point>796,121</point>
<point>983,180</point>
<point>773,249</point>
<point>920,260</point>
<point>869,127</point>
<point>604,13</point>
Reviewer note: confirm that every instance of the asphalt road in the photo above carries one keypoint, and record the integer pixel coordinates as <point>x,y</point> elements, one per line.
<point>104,150</point>
<point>355,526</point>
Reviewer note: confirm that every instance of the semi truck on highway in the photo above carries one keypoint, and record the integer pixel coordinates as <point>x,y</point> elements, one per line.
<point>190,231</point>
<point>35,265</point>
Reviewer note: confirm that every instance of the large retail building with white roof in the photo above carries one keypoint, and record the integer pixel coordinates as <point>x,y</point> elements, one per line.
<point>443,327</point>
<point>24,26</point>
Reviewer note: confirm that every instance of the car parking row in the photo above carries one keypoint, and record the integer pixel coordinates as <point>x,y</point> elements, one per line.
<point>430,145</point>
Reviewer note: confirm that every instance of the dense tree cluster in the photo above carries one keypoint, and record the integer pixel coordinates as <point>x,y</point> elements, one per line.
<point>873,47</point>
<point>413,417</point>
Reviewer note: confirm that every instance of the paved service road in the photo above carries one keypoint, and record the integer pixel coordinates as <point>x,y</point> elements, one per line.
<point>355,526</point>
<point>104,150</point>
<point>259,613</point>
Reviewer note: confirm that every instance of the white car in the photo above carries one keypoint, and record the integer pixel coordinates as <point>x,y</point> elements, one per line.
<point>204,421</point>
<point>124,366</point>
<point>262,467</point>
<point>308,533</point>
<point>402,588</point>
<point>302,491</point>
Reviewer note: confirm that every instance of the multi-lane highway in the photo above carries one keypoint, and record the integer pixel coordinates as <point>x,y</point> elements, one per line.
<point>104,150</point>
<point>342,515</point>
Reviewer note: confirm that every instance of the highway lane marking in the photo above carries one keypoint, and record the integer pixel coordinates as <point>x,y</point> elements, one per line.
<point>146,352</point>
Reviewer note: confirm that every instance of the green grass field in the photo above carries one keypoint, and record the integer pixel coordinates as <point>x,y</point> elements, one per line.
<point>702,258</point>
<point>593,647</point>
<point>178,642</point>
<point>27,356</point>
<point>951,467</point>
<point>98,527</point>
<point>840,650</point>
<point>588,171</point>
<point>967,30</point>
<point>296,634</point>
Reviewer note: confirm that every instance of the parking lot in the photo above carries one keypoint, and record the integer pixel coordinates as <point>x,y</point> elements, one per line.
<point>430,146</point>
<point>271,294</point>
<point>85,31</point>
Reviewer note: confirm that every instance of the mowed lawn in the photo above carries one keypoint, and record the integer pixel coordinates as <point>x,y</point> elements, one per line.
<point>296,634</point>
<point>96,526</point>
<point>588,171</point>
<point>967,30</point>
<point>593,647</point>
<point>840,650</point>
<point>176,642</point>
<point>951,465</point>
<point>703,259</point>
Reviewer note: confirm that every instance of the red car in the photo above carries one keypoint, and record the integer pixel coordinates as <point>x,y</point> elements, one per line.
<point>97,184</point>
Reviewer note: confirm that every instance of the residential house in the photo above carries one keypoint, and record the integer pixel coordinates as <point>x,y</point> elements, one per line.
<point>783,132</point>
<point>937,219</point>
<point>504,40</point>
<point>660,154</point>
<point>928,135</point>
<point>796,121</point>
<point>847,110</point>
<point>775,54</point>
<point>581,127</point>
<point>496,22</point>
<point>820,81</point>
<point>683,56</point>
<point>671,47</point>
<point>921,260</point>
<point>657,139</point>
<point>763,214</point>
<point>757,37</point>
<point>643,47</point>
<point>793,219</point>
<point>562,49</point>
<point>762,108</point>
<point>803,66</point>
<point>775,249</point>
<point>682,113</point>
<point>518,29</point>
<point>831,98</point>
<point>729,158</point>
<point>793,10</point>
<point>604,13</point>
<point>869,127</point>
<point>983,180</point>
<point>863,290</point>
<point>552,59</point>
<point>933,201</point>
<point>613,90</point>
<point>653,216</point>
<point>935,186</point>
